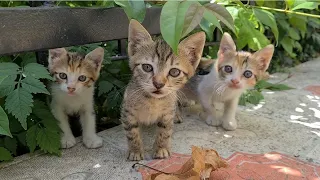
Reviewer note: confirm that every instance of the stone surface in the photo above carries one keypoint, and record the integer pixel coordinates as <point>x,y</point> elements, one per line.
<point>286,122</point>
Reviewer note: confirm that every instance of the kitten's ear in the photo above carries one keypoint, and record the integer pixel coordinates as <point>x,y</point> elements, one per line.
<point>193,46</point>
<point>137,36</point>
<point>264,56</point>
<point>226,45</point>
<point>56,54</point>
<point>96,56</point>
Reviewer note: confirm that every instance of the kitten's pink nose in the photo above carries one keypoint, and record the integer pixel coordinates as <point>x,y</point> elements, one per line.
<point>71,89</point>
<point>235,81</point>
<point>158,85</point>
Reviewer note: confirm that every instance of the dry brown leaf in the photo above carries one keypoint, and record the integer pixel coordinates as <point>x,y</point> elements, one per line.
<point>200,165</point>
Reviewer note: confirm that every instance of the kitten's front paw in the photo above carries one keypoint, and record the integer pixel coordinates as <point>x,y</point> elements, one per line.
<point>67,141</point>
<point>135,156</point>
<point>212,121</point>
<point>229,124</point>
<point>93,141</point>
<point>161,153</point>
<point>178,119</point>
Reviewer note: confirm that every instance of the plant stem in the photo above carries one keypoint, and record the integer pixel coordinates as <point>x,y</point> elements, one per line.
<point>287,11</point>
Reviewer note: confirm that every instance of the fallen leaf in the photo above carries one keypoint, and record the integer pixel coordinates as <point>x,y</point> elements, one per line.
<point>199,166</point>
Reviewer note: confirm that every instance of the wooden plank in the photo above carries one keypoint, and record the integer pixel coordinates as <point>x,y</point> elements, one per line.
<point>40,28</point>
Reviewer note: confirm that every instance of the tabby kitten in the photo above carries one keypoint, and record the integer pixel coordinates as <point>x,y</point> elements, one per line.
<point>151,94</point>
<point>232,73</point>
<point>72,92</point>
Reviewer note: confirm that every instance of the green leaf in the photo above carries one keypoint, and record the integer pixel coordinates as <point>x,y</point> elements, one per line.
<point>31,138</point>
<point>242,100</point>
<point>19,104</point>
<point>22,138</point>
<point>42,111</point>
<point>48,140</point>
<point>192,18</point>
<point>207,27</point>
<point>290,3</point>
<point>306,5</point>
<point>7,69</point>
<point>267,18</point>
<point>7,84</point>
<point>262,84</point>
<point>134,9</point>
<point>298,46</point>
<point>279,87</point>
<point>33,85</point>
<point>104,87</point>
<point>287,44</point>
<point>4,123</point>
<point>254,97</point>
<point>294,34</point>
<point>259,2</point>
<point>36,71</point>
<point>11,144</point>
<point>212,19</point>
<point>172,20</point>
<point>222,14</point>
<point>5,154</point>
<point>299,22</point>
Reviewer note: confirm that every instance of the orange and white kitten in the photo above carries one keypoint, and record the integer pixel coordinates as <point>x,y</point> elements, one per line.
<point>233,72</point>
<point>72,92</point>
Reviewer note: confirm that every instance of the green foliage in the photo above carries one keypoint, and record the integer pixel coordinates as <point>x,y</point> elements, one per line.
<point>254,96</point>
<point>4,123</point>
<point>133,8</point>
<point>5,155</point>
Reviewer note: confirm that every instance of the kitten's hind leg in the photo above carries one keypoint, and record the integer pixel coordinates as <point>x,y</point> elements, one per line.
<point>163,140</point>
<point>88,123</point>
<point>178,118</point>
<point>67,139</point>
<point>131,126</point>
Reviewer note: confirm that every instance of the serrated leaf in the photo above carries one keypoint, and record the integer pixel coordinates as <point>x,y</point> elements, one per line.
<point>104,87</point>
<point>207,27</point>
<point>48,140</point>
<point>42,111</point>
<point>11,144</point>
<point>7,69</point>
<point>4,123</point>
<point>267,18</point>
<point>192,18</point>
<point>306,5</point>
<point>33,85</point>
<point>222,14</point>
<point>19,104</point>
<point>37,71</point>
<point>134,9</point>
<point>31,137</point>
<point>7,84</point>
<point>5,154</point>
<point>207,15</point>
<point>172,20</point>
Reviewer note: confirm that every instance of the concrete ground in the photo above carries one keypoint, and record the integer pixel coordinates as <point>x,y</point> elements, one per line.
<point>287,122</point>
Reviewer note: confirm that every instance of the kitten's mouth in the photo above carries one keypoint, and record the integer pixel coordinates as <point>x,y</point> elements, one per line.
<point>157,92</point>
<point>234,86</point>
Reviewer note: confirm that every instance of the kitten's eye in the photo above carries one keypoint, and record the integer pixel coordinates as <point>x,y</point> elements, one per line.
<point>228,69</point>
<point>63,75</point>
<point>174,72</point>
<point>82,78</point>
<point>247,74</point>
<point>147,67</point>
